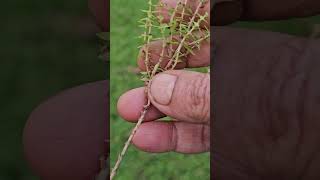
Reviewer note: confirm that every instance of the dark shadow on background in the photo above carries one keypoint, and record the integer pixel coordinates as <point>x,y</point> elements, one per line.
<point>46,47</point>
<point>244,108</point>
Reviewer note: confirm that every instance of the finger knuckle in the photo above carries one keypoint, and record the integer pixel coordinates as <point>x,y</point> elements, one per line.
<point>199,98</point>
<point>205,137</point>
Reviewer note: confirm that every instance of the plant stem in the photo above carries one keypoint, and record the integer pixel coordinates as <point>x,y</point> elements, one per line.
<point>127,144</point>
<point>176,55</point>
<point>182,15</point>
<point>148,36</point>
<point>172,28</point>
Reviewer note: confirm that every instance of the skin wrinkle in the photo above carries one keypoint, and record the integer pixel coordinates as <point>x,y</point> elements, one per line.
<point>265,112</point>
<point>299,106</point>
<point>308,162</point>
<point>301,94</point>
<point>256,152</point>
<point>198,95</point>
<point>300,109</point>
<point>202,136</point>
<point>206,109</point>
<point>279,122</point>
<point>205,137</point>
<point>303,97</point>
<point>301,116</point>
<point>280,90</point>
<point>289,91</point>
<point>233,167</point>
<point>282,87</point>
<point>175,137</point>
<point>267,106</point>
<point>311,68</point>
<point>270,83</point>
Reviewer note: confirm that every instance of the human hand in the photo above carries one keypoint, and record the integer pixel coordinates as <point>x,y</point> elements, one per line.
<point>264,127</point>
<point>228,11</point>
<point>66,137</point>
<point>100,11</point>
<point>181,95</point>
<point>264,95</point>
<point>266,106</point>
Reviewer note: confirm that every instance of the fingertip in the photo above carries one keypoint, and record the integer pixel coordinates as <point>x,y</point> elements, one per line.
<point>127,104</point>
<point>174,93</point>
<point>131,104</point>
<point>140,60</point>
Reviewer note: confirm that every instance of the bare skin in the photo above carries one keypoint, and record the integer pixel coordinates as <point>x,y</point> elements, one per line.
<point>266,99</point>
<point>182,95</point>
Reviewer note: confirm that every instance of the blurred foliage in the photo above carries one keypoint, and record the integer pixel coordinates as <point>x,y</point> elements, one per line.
<point>46,47</point>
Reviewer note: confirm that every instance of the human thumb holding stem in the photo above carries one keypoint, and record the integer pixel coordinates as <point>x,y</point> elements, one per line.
<point>182,95</point>
<point>265,99</point>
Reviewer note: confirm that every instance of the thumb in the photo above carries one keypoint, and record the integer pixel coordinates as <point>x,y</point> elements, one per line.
<point>182,95</point>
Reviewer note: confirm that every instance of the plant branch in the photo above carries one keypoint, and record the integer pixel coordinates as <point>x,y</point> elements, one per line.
<point>185,31</point>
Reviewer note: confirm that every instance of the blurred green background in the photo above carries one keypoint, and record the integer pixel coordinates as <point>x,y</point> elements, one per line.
<point>45,47</point>
<point>124,43</point>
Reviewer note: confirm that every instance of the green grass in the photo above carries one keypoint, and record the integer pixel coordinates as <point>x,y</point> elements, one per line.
<point>137,164</point>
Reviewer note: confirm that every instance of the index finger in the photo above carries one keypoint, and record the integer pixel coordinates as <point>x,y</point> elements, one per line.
<point>165,7</point>
<point>199,58</point>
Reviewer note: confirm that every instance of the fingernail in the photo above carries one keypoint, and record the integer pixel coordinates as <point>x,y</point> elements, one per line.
<point>162,88</point>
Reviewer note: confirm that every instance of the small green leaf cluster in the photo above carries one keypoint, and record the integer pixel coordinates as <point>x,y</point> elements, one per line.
<point>180,36</point>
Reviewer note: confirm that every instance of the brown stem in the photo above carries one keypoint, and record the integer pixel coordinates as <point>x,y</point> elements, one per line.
<point>127,144</point>
<point>176,56</point>
<point>152,72</point>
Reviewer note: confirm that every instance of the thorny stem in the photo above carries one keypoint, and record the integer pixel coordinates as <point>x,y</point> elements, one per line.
<point>199,40</point>
<point>173,54</point>
<point>127,144</point>
<point>178,51</point>
<point>147,39</point>
<point>148,35</point>
<point>172,29</point>
<point>183,14</point>
<point>176,55</point>
<point>156,67</point>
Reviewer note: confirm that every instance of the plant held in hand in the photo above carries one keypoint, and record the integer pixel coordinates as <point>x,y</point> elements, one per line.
<point>180,36</point>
